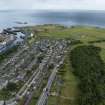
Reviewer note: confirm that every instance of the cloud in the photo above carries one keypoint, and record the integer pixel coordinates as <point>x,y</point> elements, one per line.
<point>52,4</point>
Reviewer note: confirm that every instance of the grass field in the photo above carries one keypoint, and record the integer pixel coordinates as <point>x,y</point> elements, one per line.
<point>84,34</point>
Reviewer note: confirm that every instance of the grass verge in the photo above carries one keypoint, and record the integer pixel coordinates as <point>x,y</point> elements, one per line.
<point>64,89</point>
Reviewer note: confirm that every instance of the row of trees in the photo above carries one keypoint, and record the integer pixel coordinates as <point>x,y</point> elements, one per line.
<point>97,41</point>
<point>90,70</point>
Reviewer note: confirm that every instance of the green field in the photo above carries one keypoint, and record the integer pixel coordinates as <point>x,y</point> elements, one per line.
<point>84,34</point>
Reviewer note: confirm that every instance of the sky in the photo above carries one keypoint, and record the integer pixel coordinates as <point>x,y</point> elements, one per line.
<point>53,4</point>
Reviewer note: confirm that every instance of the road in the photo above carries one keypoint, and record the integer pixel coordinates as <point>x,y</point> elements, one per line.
<point>44,96</point>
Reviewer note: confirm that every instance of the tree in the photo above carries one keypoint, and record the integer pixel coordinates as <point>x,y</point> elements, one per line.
<point>11,86</point>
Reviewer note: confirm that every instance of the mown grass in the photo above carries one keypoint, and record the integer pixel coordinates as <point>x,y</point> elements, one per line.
<point>84,34</point>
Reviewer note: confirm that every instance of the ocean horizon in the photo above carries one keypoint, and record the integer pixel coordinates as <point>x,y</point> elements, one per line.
<point>18,18</point>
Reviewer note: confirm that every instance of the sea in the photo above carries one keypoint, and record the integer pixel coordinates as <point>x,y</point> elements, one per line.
<point>18,18</point>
